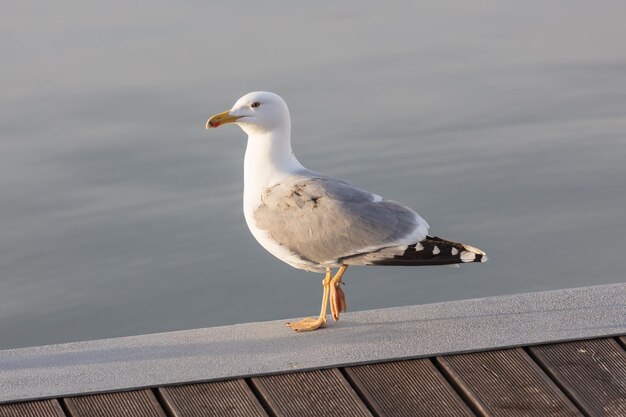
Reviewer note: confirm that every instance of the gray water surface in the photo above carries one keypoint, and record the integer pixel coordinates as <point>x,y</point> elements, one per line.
<point>502,124</point>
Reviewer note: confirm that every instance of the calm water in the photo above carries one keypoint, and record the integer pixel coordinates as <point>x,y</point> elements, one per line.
<point>503,124</point>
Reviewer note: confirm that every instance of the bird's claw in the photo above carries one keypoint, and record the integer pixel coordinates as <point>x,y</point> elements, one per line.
<point>337,301</point>
<point>307,324</point>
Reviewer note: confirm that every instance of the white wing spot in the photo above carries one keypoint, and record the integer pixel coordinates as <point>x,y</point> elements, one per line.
<point>436,250</point>
<point>467,256</point>
<point>484,258</point>
<point>419,247</point>
<point>454,251</point>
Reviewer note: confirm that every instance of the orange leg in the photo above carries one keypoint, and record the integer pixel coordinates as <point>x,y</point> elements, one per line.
<point>309,324</point>
<point>337,296</point>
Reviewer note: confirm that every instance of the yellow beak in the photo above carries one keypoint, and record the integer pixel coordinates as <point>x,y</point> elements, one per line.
<point>221,119</point>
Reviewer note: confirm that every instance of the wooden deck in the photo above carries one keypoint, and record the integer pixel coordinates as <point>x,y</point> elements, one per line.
<point>578,378</point>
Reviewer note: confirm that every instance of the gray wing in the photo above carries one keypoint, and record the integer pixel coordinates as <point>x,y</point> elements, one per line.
<point>324,219</point>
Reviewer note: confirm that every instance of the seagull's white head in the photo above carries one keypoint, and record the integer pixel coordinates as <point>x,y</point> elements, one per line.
<point>256,113</point>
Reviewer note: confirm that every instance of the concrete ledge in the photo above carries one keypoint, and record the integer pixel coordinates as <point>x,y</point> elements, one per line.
<point>270,347</point>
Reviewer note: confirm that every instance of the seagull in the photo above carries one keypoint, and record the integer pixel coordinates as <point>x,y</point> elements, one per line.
<point>319,223</point>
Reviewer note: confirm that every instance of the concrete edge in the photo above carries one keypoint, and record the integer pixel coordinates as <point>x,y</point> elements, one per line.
<point>269,347</point>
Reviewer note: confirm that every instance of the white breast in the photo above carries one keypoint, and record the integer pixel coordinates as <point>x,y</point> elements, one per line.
<point>268,161</point>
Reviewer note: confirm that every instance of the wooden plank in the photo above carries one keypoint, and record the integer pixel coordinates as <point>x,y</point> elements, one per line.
<point>507,383</point>
<point>406,389</point>
<point>219,399</point>
<point>315,393</point>
<point>141,403</point>
<point>592,372</point>
<point>46,408</point>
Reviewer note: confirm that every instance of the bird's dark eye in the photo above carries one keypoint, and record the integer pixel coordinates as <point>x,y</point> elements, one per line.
<point>255,104</point>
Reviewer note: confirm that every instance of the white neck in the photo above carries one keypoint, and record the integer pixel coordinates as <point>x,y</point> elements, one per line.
<point>268,159</point>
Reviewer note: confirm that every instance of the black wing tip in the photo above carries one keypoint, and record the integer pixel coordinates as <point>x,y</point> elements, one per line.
<point>434,250</point>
